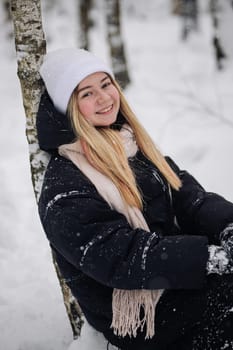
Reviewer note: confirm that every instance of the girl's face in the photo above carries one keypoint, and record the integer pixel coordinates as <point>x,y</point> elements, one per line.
<point>98,99</point>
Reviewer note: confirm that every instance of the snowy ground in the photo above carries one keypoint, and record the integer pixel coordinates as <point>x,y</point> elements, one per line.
<point>184,103</point>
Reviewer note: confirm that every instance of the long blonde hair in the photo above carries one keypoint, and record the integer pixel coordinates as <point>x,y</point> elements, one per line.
<point>104,150</point>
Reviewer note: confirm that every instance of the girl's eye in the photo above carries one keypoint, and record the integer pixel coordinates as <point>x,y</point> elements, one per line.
<point>86,94</point>
<point>106,84</point>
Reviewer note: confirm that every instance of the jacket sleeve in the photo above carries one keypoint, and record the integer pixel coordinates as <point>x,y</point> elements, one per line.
<point>198,211</point>
<point>99,241</point>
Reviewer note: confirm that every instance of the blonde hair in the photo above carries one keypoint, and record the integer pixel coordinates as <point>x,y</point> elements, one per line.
<point>104,150</point>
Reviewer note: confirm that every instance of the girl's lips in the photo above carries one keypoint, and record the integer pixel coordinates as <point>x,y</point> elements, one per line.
<point>105,110</point>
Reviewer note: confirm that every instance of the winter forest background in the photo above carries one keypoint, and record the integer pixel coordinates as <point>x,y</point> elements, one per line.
<point>180,92</point>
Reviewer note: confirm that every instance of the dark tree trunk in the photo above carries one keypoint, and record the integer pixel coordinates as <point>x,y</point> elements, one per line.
<point>84,9</point>
<point>219,51</point>
<point>116,44</point>
<point>6,6</point>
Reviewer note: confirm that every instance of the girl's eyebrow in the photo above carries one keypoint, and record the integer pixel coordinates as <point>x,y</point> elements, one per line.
<point>89,86</point>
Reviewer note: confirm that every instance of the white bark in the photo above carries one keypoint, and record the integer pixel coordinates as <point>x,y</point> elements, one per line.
<point>30,49</point>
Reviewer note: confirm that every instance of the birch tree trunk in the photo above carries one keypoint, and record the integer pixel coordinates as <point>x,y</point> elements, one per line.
<point>30,48</point>
<point>84,8</point>
<point>116,44</point>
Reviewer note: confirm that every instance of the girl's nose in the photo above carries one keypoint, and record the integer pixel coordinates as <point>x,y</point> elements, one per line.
<point>102,96</point>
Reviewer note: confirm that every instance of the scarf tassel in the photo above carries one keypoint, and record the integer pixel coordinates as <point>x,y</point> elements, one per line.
<point>127,307</point>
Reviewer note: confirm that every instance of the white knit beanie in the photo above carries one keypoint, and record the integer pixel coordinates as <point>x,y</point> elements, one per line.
<point>63,69</point>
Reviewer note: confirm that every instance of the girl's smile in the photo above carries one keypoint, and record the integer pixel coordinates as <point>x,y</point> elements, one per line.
<point>98,99</point>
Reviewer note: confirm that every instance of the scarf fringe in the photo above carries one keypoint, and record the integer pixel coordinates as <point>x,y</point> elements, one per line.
<point>132,310</point>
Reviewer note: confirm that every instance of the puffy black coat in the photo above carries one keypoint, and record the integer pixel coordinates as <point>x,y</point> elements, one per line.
<point>97,250</point>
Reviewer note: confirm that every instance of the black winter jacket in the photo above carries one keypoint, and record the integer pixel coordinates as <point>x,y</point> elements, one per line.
<point>96,249</point>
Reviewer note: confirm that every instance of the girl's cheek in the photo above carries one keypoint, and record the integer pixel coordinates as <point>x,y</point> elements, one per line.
<point>86,109</point>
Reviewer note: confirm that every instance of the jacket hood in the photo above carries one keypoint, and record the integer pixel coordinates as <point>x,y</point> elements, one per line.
<point>54,128</point>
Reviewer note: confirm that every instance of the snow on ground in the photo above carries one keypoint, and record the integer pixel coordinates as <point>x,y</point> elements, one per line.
<point>184,103</point>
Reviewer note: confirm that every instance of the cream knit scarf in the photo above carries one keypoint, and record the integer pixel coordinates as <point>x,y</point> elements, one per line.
<point>126,304</point>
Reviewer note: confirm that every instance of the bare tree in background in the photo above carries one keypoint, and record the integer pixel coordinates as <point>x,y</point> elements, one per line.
<point>116,44</point>
<point>188,12</point>
<point>30,48</point>
<point>6,6</point>
<point>219,51</point>
<point>84,9</point>
<point>7,18</point>
<point>176,6</point>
